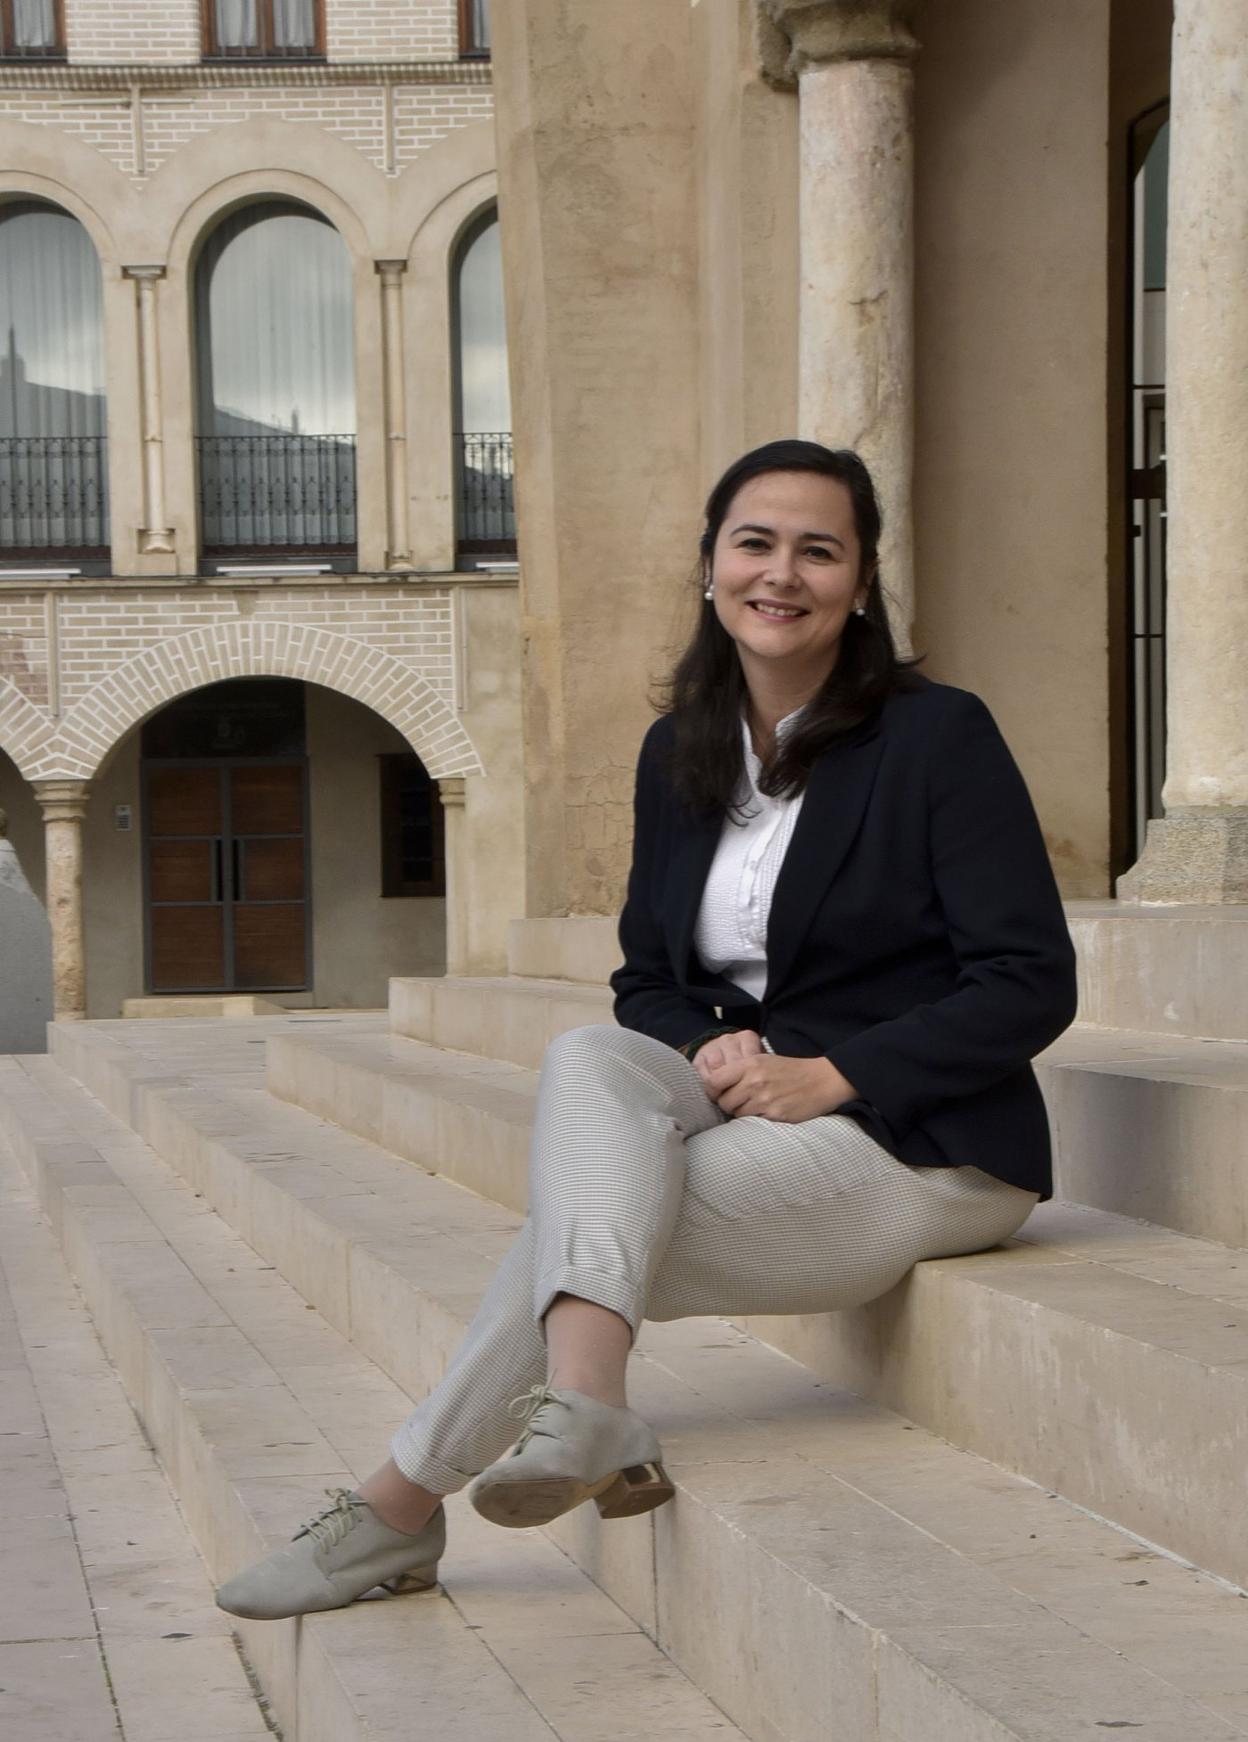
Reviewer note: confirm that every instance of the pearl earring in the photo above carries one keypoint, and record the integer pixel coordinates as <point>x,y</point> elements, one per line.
<point>708,594</point>
<point>859,611</point>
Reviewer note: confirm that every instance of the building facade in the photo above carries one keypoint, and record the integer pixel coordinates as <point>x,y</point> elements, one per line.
<point>258,672</point>
<point>1001,251</point>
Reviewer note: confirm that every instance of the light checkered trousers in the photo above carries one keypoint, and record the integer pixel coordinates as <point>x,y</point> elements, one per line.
<point>647,1199</point>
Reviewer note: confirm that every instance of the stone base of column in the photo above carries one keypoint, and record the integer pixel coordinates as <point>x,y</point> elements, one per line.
<point>1197,857</point>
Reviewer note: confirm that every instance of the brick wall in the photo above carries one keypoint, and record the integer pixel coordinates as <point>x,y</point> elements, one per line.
<point>132,30</point>
<point>104,31</point>
<point>121,651</point>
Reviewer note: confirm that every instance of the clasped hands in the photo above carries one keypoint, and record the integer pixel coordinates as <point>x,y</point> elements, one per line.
<point>744,1080</point>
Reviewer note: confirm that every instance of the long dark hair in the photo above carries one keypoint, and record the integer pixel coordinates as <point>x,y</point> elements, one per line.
<point>706,693</point>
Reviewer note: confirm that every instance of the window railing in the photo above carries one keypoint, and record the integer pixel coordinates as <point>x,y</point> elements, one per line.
<point>277,492</point>
<point>485,494</point>
<point>264,30</point>
<point>32,30</point>
<point>474,29</point>
<point>53,495</point>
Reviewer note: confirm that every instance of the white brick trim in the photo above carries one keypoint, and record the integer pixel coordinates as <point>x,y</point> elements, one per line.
<point>266,647</point>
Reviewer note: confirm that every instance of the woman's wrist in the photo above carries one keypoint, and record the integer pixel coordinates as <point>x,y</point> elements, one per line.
<point>691,1047</point>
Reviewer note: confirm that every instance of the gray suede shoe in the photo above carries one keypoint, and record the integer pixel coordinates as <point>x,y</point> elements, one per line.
<point>573,1449</point>
<point>337,1556</point>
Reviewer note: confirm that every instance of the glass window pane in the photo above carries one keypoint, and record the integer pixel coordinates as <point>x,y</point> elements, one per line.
<point>481,24</point>
<point>294,24</point>
<point>53,410</point>
<point>276,337</point>
<point>485,401</point>
<point>236,25</point>
<point>34,24</point>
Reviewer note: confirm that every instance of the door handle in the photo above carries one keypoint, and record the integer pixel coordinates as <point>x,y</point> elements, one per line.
<point>217,891</point>
<point>236,868</point>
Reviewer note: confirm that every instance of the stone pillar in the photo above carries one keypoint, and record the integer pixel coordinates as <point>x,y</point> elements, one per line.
<point>453,794</point>
<point>1199,851</point>
<point>64,804</point>
<point>154,534</point>
<point>595,118</point>
<point>852,60</point>
<point>398,550</point>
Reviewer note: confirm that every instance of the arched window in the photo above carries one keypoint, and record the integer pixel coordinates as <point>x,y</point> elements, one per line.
<point>53,409</point>
<point>276,379</point>
<point>486,507</point>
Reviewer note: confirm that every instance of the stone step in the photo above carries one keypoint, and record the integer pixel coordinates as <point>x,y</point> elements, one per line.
<point>826,1566</point>
<point>1123,1104</point>
<point>107,1623</point>
<point>1102,1357</point>
<point>1166,970</point>
<point>1152,1126</point>
<point>256,1406</point>
<point>506,1018</point>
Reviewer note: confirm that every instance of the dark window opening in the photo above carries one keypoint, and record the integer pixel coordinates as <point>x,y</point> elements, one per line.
<point>413,860</point>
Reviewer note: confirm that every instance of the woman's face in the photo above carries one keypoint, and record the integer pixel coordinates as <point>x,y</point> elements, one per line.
<point>785,574</point>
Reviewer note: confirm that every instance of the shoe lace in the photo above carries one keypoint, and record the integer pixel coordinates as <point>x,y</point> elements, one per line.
<point>535,1398</point>
<point>333,1522</point>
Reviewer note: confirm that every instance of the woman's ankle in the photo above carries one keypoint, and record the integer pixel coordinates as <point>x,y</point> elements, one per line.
<point>399,1503</point>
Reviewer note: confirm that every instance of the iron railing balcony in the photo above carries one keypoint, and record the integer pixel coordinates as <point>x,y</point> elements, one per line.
<point>53,496</point>
<point>485,497</point>
<point>277,492</point>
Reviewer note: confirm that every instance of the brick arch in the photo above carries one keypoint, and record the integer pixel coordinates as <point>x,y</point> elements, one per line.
<point>269,648</point>
<point>23,728</point>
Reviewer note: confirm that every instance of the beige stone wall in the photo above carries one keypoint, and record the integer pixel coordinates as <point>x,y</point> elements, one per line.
<point>359,938</point>
<point>1012,490</point>
<point>748,163</point>
<point>599,229</point>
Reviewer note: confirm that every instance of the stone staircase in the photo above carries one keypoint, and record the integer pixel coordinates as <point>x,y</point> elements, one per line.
<point>1005,1502</point>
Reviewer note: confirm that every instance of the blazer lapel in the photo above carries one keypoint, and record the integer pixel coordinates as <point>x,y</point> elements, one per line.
<point>688,868</point>
<point>836,796</point>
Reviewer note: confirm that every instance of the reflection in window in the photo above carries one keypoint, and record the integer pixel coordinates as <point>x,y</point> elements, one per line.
<point>276,407</point>
<point>483,402</point>
<point>53,411</point>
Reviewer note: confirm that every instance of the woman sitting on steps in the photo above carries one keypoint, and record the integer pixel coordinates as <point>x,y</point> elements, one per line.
<point>843,945</point>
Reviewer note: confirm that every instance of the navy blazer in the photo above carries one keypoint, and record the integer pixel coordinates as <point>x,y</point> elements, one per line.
<point>916,936</point>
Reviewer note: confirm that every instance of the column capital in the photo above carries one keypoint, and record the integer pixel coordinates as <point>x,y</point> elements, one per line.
<point>452,791</point>
<point>143,271</point>
<point>820,31</point>
<point>390,270</point>
<point>62,801</point>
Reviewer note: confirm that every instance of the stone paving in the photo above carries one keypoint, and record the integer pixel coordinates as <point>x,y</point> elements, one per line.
<point>108,1629</point>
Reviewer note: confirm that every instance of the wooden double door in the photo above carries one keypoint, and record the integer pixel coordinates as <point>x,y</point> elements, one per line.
<point>226,875</point>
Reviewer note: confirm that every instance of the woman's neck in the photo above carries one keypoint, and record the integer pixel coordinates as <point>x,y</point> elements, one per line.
<point>767,709</point>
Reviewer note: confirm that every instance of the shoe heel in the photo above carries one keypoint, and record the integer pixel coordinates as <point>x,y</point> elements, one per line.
<point>638,1489</point>
<point>419,1579</point>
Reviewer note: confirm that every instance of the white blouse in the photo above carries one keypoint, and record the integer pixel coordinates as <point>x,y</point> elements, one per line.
<point>731,931</point>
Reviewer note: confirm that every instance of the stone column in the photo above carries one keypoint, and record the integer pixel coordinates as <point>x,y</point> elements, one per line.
<point>1199,851</point>
<point>453,794</point>
<point>852,60</point>
<point>154,535</point>
<point>594,118</point>
<point>64,803</point>
<point>398,550</point>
